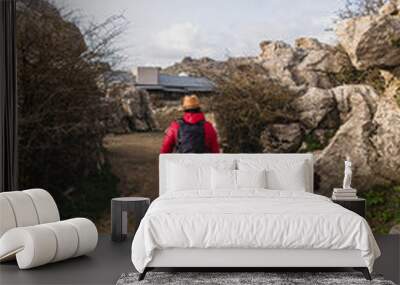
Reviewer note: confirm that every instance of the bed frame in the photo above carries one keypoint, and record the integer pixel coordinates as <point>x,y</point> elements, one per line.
<point>246,258</point>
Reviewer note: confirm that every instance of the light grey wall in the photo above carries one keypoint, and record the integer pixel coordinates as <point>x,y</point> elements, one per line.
<point>147,75</point>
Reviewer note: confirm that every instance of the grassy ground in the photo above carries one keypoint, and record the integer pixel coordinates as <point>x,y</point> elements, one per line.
<point>134,159</point>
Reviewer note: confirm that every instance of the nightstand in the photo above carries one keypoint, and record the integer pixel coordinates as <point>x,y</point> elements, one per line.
<point>357,205</point>
<point>119,214</point>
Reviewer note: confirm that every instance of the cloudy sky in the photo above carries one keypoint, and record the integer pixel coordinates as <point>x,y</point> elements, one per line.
<point>161,32</point>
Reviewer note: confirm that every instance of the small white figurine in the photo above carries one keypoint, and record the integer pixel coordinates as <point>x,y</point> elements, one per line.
<point>347,174</point>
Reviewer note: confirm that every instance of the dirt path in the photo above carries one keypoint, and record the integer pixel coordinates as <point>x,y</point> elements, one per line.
<point>134,159</point>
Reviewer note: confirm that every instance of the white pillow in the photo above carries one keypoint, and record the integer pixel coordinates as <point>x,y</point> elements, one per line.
<point>226,179</point>
<point>292,179</point>
<point>281,174</point>
<point>223,179</point>
<point>251,178</point>
<point>183,178</point>
<point>193,174</point>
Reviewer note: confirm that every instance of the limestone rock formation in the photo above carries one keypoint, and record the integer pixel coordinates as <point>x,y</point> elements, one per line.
<point>213,69</point>
<point>314,106</point>
<point>373,41</point>
<point>129,109</point>
<point>308,64</point>
<point>386,138</point>
<point>368,131</point>
<point>356,105</point>
<point>349,120</point>
<point>319,62</point>
<point>365,131</point>
<point>390,8</point>
<point>278,58</point>
<point>278,138</point>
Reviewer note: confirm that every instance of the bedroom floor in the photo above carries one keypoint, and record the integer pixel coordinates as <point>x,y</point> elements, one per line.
<point>103,266</point>
<point>110,260</point>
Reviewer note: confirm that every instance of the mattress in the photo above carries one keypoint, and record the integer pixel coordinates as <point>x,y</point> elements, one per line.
<point>250,219</point>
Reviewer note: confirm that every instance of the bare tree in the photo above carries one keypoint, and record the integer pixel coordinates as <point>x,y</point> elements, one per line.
<point>60,104</point>
<point>357,8</point>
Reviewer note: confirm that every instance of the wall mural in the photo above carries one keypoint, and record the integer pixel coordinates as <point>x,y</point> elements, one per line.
<point>90,130</point>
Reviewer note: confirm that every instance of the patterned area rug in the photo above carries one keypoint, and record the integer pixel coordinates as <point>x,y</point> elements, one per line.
<point>269,278</point>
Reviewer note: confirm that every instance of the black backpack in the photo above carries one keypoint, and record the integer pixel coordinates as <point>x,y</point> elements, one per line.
<point>191,137</point>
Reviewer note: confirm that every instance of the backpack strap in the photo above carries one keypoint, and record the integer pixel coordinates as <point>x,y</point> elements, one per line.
<point>180,122</point>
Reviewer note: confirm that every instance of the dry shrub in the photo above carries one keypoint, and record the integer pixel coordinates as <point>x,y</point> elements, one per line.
<point>247,100</point>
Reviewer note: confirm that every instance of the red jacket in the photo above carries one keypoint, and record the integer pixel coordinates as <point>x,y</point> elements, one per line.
<point>171,135</point>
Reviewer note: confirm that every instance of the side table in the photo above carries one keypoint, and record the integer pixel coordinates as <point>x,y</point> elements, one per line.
<point>357,205</point>
<point>119,214</point>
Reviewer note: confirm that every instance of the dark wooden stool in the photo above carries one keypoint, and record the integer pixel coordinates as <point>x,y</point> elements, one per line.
<point>119,215</point>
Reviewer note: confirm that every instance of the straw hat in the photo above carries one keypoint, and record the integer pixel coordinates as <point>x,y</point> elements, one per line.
<point>190,102</point>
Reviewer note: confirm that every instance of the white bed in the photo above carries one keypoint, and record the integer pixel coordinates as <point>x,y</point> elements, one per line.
<point>249,227</point>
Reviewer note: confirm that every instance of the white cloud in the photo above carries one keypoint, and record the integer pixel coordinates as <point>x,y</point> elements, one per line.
<point>184,39</point>
<point>179,37</point>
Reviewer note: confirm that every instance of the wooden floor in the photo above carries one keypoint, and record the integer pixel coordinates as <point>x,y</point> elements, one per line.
<point>110,260</point>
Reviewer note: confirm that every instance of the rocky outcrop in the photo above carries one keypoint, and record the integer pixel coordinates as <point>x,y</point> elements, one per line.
<point>309,63</point>
<point>278,138</point>
<point>314,106</point>
<point>364,127</point>
<point>356,106</point>
<point>210,68</point>
<point>278,58</point>
<point>319,63</point>
<point>346,121</point>
<point>129,109</point>
<point>386,138</point>
<point>373,41</point>
<point>368,131</point>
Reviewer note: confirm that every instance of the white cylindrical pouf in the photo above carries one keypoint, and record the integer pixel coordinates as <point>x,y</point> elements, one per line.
<point>34,246</point>
<point>45,205</point>
<point>87,234</point>
<point>67,240</point>
<point>23,207</point>
<point>7,218</point>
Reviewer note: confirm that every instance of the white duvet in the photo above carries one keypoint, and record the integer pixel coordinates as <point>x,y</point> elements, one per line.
<point>250,219</point>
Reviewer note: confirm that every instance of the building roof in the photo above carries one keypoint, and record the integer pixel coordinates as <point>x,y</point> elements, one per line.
<point>173,83</point>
